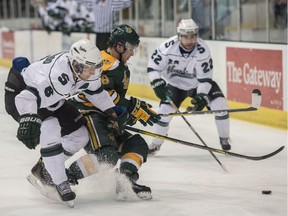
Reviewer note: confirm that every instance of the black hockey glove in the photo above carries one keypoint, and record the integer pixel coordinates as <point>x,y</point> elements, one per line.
<point>200,101</point>
<point>142,112</point>
<point>113,124</point>
<point>124,117</point>
<point>29,130</point>
<point>160,88</point>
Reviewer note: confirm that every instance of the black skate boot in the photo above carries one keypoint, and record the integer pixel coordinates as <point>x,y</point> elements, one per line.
<point>142,191</point>
<point>128,178</point>
<point>225,144</point>
<point>40,172</point>
<point>65,192</point>
<point>73,180</point>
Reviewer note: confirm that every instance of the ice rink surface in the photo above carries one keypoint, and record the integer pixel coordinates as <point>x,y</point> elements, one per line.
<point>185,181</point>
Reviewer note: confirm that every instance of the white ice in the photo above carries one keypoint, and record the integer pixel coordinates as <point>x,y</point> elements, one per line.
<point>185,181</point>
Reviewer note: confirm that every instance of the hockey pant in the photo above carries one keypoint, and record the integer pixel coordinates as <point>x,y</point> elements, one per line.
<point>104,150</point>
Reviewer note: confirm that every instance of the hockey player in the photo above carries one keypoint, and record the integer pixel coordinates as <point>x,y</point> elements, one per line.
<point>104,148</point>
<point>45,85</point>
<point>182,67</point>
<point>57,16</point>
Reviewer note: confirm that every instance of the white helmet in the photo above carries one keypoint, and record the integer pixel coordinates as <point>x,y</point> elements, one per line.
<point>187,26</point>
<point>86,54</point>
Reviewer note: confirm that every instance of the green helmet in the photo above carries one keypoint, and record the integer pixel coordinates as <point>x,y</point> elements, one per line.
<point>124,33</point>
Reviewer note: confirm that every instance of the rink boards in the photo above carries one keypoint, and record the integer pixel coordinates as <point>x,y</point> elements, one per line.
<point>238,68</point>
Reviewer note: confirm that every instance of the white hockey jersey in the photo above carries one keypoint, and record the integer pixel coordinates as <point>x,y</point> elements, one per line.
<point>184,72</point>
<point>54,81</point>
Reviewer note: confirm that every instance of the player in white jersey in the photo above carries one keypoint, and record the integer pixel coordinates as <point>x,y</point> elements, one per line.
<point>61,130</point>
<point>182,67</point>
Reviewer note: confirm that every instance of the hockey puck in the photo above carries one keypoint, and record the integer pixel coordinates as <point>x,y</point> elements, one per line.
<point>266,192</point>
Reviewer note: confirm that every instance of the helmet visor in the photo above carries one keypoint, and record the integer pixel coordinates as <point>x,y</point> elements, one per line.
<point>79,67</point>
<point>187,31</point>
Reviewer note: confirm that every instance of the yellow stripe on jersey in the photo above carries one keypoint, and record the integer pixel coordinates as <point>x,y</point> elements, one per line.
<point>85,101</point>
<point>114,96</point>
<point>108,60</point>
<point>92,133</point>
<point>133,158</point>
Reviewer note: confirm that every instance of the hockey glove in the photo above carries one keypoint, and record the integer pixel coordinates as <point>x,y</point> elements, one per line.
<point>200,101</point>
<point>143,112</point>
<point>124,117</point>
<point>29,130</point>
<point>160,88</point>
<point>113,124</point>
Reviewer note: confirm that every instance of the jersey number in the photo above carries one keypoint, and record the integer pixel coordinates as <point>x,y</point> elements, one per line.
<point>200,49</point>
<point>157,58</point>
<point>207,66</point>
<point>63,79</point>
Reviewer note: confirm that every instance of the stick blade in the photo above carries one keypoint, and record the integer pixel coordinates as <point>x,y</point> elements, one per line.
<point>256,98</point>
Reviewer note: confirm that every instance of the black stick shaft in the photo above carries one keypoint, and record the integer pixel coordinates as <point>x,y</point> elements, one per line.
<point>255,158</point>
<point>199,137</point>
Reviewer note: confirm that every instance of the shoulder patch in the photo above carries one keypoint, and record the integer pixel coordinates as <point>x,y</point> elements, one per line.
<point>108,60</point>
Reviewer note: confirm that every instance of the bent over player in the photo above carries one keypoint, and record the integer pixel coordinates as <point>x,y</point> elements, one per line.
<point>43,113</point>
<point>183,67</point>
<point>104,147</point>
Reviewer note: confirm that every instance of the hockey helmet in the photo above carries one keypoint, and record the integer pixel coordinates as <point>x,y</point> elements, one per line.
<point>85,54</point>
<point>124,34</point>
<point>187,26</point>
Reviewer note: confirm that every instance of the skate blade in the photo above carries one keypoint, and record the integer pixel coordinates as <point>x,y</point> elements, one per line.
<point>144,195</point>
<point>70,204</point>
<point>48,192</point>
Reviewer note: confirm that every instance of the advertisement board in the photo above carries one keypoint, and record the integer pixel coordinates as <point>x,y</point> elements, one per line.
<point>249,69</point>
<point>8,45</point>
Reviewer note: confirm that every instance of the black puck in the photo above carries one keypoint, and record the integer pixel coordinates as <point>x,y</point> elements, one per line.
<point>267,192</point>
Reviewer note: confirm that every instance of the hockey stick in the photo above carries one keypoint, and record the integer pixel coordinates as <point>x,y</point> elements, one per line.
<point>256,101</point>
<point>254,158</point>
<point>195,132</point>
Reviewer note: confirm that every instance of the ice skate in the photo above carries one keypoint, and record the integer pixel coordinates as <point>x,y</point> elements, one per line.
<point>40,172</point>
<point>65,192</point>
<point>154,148</point>
<point>225,144</point>
<point>127,181</point>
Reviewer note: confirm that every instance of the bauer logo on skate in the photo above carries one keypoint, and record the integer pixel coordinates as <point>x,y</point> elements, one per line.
<point>247,69</point>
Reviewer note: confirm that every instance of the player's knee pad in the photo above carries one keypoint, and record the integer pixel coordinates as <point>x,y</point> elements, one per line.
<point>220,103</point>
<point>50,132</point>
<point>165,109</point>
<point>136,144</point>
